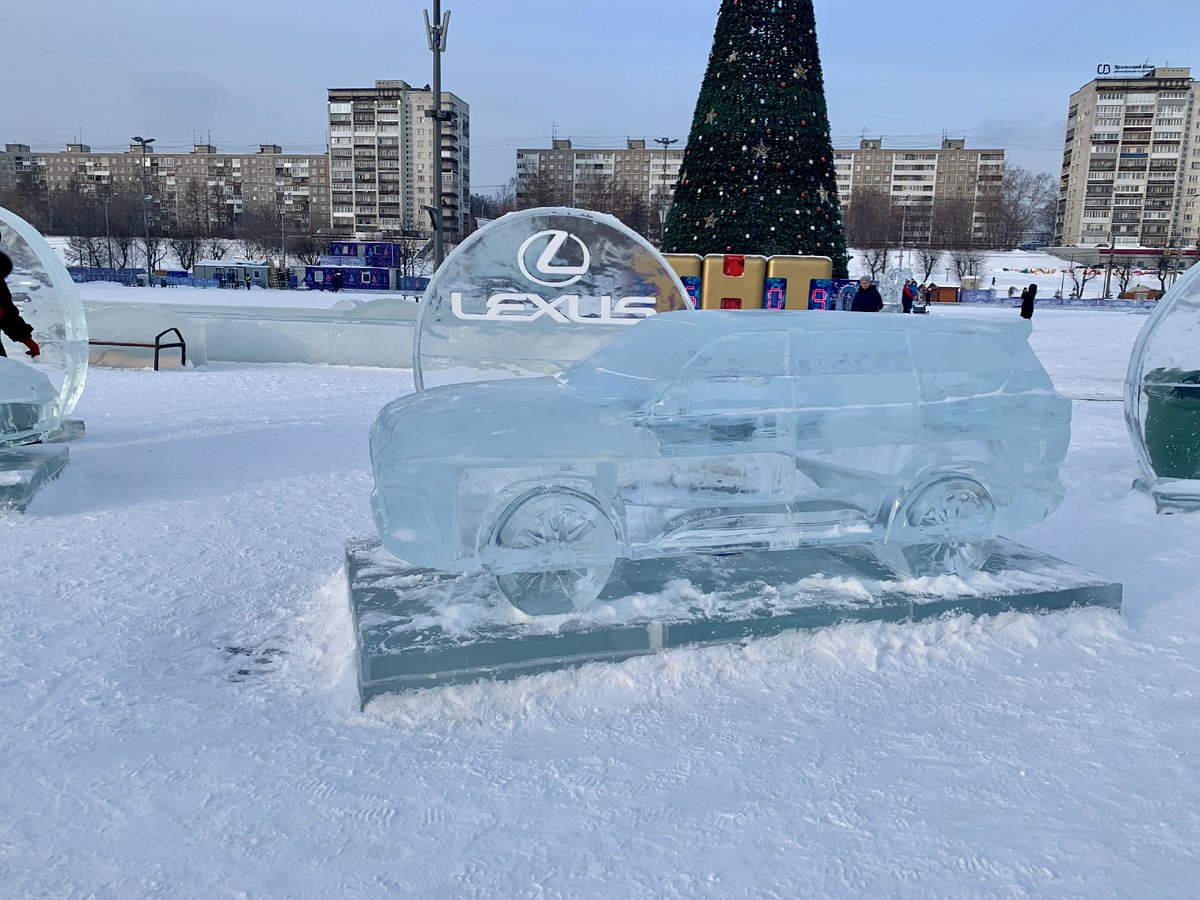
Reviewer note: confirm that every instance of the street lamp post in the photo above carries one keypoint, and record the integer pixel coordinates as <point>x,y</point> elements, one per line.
<point>107,231</point>
<point>1112,241</point>
<point>283,245</point>
<point>146,142</point>
<point>436,33</point>
<point>663,210</point>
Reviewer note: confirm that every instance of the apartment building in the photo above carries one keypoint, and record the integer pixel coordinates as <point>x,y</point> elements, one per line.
<point>382,159</point>
<point>1131,162</point>
<point>919,178</point>
<point>16,162</point>
<point>270,180</point>
<point>567,175</point>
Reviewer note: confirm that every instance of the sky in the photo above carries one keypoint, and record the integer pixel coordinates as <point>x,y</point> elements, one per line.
<point>596,71</point>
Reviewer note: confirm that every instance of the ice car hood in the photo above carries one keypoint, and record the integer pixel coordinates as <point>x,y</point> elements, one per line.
<point>518,418</point>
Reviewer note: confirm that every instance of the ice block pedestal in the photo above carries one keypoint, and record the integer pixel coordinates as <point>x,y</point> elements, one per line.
<point>24,469</point>
<point>418,628</point>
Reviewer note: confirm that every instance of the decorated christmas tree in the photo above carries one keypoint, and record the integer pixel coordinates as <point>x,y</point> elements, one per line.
<point>758,173</point>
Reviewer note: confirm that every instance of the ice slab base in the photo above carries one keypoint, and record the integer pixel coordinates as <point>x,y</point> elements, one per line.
<point>24,469</point>
<point>420,628</point>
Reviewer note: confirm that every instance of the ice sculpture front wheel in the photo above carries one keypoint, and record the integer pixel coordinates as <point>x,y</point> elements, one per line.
<point>554,551</point>
<point>944,527</point>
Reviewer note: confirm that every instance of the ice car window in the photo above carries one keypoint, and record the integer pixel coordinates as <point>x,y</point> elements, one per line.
<point>631,358</point>
<point>754,354</point>
<point>853,353</point>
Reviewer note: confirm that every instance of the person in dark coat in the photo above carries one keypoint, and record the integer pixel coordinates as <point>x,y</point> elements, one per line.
<point>868,298</point>
<point>1027,297</point>
<point>11,323</point>
<point>907,295</point>
<point>337,281</point>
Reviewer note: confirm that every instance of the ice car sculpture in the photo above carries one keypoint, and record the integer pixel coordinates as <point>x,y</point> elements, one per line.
<point>49,301</point>
<point>727,431</point>
<point>1162,396</point>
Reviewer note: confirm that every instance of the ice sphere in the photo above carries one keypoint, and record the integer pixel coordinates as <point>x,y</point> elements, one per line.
<point>534,291</point>
<point>49,301</point>
<point>719,432</point>
<point>1162,388</point>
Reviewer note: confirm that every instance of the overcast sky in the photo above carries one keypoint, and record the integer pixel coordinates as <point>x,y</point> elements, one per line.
<point>596,70</point>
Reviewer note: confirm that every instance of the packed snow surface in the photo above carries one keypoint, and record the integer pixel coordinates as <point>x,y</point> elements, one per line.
<point>179,714</point>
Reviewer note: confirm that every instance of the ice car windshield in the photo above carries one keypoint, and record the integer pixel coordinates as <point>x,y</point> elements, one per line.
<point>629,359</point>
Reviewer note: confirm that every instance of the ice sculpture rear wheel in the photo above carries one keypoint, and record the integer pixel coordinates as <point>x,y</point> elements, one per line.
<point>550,525</point>
<point>955,515</point>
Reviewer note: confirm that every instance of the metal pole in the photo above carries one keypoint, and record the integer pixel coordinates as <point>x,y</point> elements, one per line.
<point>662,216</point>
<point>283,241</point>
<point>145,142</point>
<point>436,33</point>
<point>1108,275</point>
<point>107,232</point>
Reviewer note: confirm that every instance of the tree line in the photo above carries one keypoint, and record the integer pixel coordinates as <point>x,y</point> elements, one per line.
<point>957,230</point>
<point>119,226</point>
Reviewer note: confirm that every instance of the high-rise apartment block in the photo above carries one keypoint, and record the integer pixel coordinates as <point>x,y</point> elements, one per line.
<point>382,159</point>
<point>919,177</point>
<point>1131,162</point>
<point>567,175</point>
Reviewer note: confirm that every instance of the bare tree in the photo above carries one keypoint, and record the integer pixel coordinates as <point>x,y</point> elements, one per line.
<point>966,262</point>
<point>541,189</point>
<point>952,226</point>
<point>1081,272</point>
<point>308,248</point>
<point>215,248</point>
<point>1123,269</point>
<point>1017,205</point>
<point>870,228</point>
<point>257,231</point>
<point>928,259</point>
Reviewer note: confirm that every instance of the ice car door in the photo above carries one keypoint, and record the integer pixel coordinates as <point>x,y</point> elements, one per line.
<point>858,414</point>
<point>721,423</point>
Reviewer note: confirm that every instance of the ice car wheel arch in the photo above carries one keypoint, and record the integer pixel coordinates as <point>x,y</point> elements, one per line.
<point>945,525</point>
<point>552,550</point>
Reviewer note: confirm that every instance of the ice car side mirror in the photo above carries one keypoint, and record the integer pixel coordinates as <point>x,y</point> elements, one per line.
<point>674,401</point>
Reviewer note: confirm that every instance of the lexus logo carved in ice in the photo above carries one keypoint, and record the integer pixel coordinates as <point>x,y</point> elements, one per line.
<point>561,275</point>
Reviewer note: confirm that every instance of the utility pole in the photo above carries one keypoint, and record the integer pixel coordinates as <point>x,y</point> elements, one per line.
<point>436,33</point>
<point>1108,275</point>
<point>283,244</point>
<point>663,208</point>
<point>146,142</point>
<point>107,231</point>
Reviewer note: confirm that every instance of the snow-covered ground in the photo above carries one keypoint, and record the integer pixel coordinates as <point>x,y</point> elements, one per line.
<point>179,716</point>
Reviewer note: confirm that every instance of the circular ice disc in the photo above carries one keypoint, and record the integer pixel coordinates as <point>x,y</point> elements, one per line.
<point>46,298</point>
<point>534,291</point>
<point>1162,386</point>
